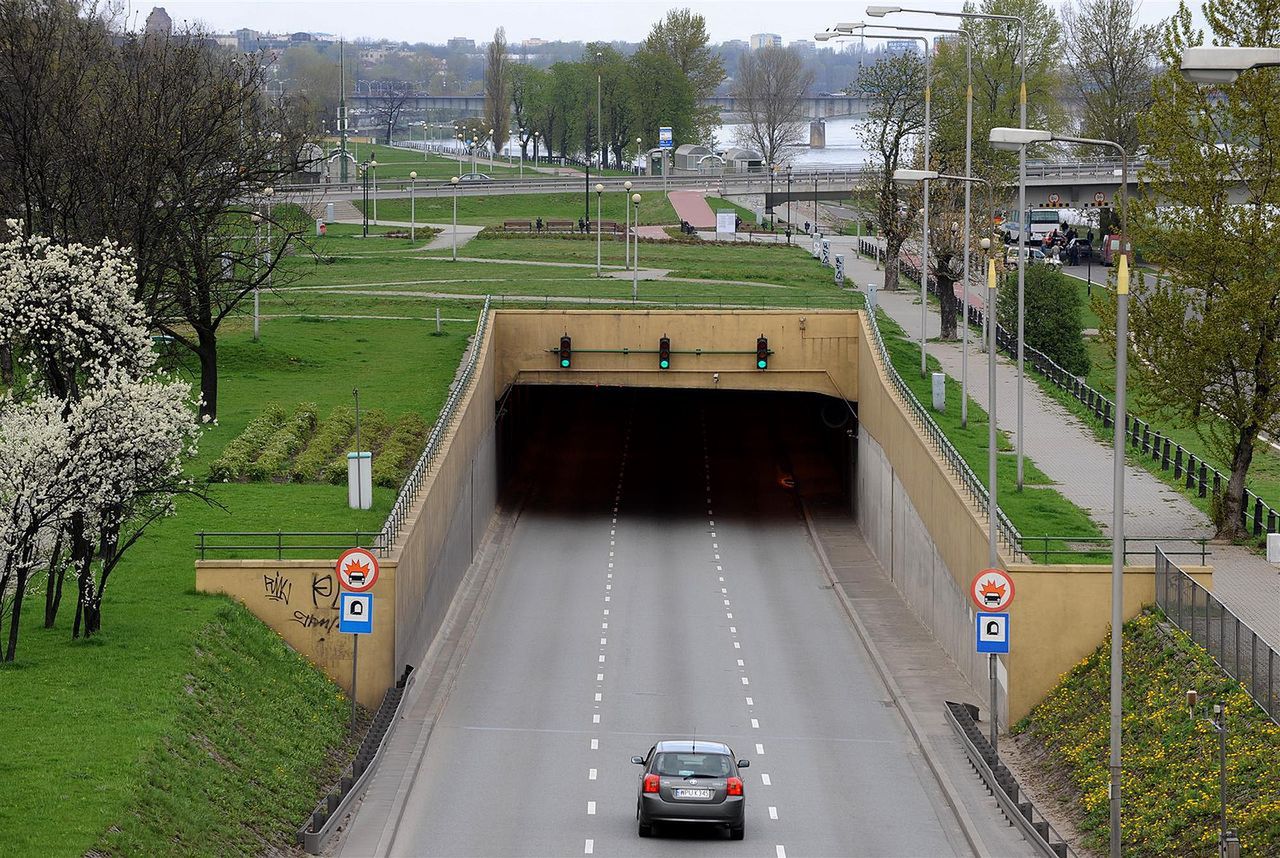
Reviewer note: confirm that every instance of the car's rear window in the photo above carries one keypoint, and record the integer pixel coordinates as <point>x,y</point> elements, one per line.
<point>693,765</point>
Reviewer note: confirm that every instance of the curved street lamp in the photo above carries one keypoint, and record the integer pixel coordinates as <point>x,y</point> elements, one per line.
<point>454,182</point>
<point>599,199</point>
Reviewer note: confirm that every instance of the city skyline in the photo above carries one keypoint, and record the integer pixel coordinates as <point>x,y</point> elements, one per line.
<point>629,20</point>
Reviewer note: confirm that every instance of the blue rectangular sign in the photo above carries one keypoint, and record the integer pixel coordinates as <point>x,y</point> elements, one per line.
<point>992,632</point>
<point>355,615</point>
<point>664,138</point>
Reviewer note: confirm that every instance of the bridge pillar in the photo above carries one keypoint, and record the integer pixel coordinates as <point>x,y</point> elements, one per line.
<point>817,134</point>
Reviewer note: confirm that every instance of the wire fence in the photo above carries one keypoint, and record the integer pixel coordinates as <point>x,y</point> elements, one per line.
<point>448,414</point>
<point>956,463</point>
<point>1237,649</point>
<point>231,544</point>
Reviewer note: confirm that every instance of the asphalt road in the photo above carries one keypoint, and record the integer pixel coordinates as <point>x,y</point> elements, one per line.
<point>660,584</point>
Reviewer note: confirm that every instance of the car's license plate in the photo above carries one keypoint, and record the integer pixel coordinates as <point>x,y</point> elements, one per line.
<point>693,793</point>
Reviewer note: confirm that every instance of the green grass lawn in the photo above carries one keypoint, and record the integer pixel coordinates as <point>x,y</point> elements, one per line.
<point>106,726</point>
<point>395,163</point>
<point>493,210</point>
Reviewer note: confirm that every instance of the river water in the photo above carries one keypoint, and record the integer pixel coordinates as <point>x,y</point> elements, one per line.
<point>844,146</point>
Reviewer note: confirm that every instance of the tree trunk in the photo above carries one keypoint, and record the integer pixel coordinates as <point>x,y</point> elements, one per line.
<point>17,613</point>
<point>207,351</point>
<point>1229,527</point>
<point>892,246</point>
<point>53,592</point>
<point>948,305</point>
<point>6,366</point>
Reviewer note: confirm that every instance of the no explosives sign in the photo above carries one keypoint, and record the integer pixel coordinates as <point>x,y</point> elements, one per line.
<point>357,570</point>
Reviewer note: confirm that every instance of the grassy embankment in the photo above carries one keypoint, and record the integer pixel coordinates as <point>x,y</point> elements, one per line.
<point>493,210</point>
<point>186,727</point>
<point>1170,761</point>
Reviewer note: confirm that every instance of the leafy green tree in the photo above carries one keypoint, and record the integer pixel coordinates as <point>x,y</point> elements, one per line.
<point>314,82</point>
<point>1113,60</point>
<point>1206,335</point>
<point>662,96</point>
<point>497,89</point>
<point>682,38</point>
<point>1053,315</point>
<point>617,95</point>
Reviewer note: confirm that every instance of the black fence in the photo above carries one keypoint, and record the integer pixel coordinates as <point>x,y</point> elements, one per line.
<point>1236,648</point>
<point>1193,472</point>
<point>1065,548</point>
<point>254,543</point>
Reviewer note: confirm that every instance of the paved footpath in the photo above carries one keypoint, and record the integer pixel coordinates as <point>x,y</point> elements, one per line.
<point>1080,465</point>
<point>691,206</point>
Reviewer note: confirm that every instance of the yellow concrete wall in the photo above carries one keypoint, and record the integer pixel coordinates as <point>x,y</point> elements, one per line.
<point>1060,614</point>
<point>299,600</point>
<point>813,350</point>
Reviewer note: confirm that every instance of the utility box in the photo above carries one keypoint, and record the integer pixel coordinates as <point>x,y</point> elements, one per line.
<point>360,480</point>
<point>817,245</point>
<point>839,269</point>
<point>826,251</point>
<point>1273,547</point>
<point>939,391</point>
<point>872,289</point>
<point>328,212</point>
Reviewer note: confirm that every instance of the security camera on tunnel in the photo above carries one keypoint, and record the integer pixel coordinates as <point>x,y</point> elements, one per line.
<point>762,352</point>
<point>566,352</point>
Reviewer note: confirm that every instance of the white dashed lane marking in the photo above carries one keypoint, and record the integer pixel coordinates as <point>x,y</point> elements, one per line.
<point>782,853</point>
<point>764,779</point>
<point>591,774</point>
<point>590,848</point>
<point>591,808</point>
<point>759,749</point>
<point>773,813</point>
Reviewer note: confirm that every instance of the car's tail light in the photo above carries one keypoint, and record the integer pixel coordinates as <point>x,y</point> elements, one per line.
<point>651,783</point>
<point>734,786</point>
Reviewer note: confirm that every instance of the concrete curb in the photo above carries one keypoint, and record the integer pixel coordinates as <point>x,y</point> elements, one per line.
<point>927,751</point>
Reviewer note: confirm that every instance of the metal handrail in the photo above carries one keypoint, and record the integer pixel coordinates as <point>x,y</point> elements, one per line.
<point>942,445</point>
<point>275,540</point>
<point>1101,546</point>
<point>1004,786</point>
<point>448,413</point>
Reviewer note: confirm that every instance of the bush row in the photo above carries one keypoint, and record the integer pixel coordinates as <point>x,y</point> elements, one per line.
<point>238,455</point>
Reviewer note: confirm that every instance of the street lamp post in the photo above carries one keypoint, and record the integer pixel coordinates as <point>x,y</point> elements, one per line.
<point>639,144</point>
<point>599,113</point>
<point>413,211</point>
<point>1007,138</point>
<point>520,137</point>
<point>257,256</point>
<point>364,188</point>
<point>626,235</point>
<point>373,181</point>
<point>635,255</point>
<point>454,182</point>
<point>788,202</point>
<point>457,148</point>
<point>492,144</point>
<point>536,136</point>
<point>599,199</point>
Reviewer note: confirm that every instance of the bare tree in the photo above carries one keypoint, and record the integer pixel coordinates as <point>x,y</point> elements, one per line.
<point>770,90</point>
<point>394,98</point>
<point>497,88</point>
<point>1113,63</point>
<point>894,86</point>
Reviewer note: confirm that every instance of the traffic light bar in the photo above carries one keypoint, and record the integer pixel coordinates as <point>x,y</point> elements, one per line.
<point>566,352</point>
<point>664,353</point>
<point>762,352</point>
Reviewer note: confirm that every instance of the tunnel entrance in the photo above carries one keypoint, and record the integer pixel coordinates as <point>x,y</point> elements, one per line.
<point>563,448</point>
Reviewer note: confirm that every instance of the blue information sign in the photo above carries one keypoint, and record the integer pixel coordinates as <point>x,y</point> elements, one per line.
<point>664,137</point>
<point>992,631</point>
<point>356,613</point>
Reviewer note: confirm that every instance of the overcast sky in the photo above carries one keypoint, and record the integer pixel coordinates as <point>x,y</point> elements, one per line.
<point>568,20</point>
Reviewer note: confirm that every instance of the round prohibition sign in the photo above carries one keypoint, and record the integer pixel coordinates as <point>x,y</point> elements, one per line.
<point>991,590</point>
<point>1099,198</point>
<point>357,570</point>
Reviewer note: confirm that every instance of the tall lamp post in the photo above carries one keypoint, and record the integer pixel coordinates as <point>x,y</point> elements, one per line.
<point>860,27</point>
<point>257,242</point>
<point>373,182</point>
<point>626,235</point>
<point>521,138</point>
<point>1008,138</point>
<point>788,202</point>
<point>492,145</point>
<point>364,187</point>
<point>639,143</point>
<point>880,12</point>
<point>454,182</point>
<point>536,136</point>
<point>635,255</point>
<point>599,199</point>
<point>413,211</point>
<point>457,149</point>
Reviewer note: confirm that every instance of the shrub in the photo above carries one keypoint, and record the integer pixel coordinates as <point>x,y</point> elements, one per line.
<point>240,453</point>
<point>289,437</point>
<point>1053,315</point>
<point>401,450</point>
<point>373,427</point>
<point>325,444</point>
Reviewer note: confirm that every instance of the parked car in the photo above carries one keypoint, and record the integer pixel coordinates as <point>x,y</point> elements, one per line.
<point>474,177</point>
<point>1036,256</point>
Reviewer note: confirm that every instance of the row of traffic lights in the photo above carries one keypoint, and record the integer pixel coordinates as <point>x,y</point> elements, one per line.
<point>664,352</point>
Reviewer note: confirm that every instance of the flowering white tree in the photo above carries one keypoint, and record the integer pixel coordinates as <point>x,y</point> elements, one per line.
<point>93,441</point>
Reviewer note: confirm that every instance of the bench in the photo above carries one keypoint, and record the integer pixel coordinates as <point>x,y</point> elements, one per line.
<point>561,226</point>
<point>517,226</point>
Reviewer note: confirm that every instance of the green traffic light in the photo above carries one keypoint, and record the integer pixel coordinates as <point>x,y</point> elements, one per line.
<point>664,363</point>
<point>564,362</point>
<point>760,364</point>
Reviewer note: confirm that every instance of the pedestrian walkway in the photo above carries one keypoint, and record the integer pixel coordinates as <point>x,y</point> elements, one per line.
<point>691,207</point>
<point>442,241</point>
<point>1080,465</point>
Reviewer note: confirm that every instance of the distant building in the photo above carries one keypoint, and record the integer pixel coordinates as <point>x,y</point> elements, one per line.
<point>534,43</point>
<point>803,46</point>
<point>460,44</point>
<point>226,40</point>
<point>765,40</point>
<point>734,45</point>
<point>158,22</point>
<point>246,40</point>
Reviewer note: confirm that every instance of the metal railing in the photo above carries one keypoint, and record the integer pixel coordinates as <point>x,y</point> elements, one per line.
<point>1003,785</point>
<point>230,542</point>
<point>938,440</point>
<point>1237,649</point>
<point>1046,548</point>
<point>444,422</point>
<point>1193,472</point>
